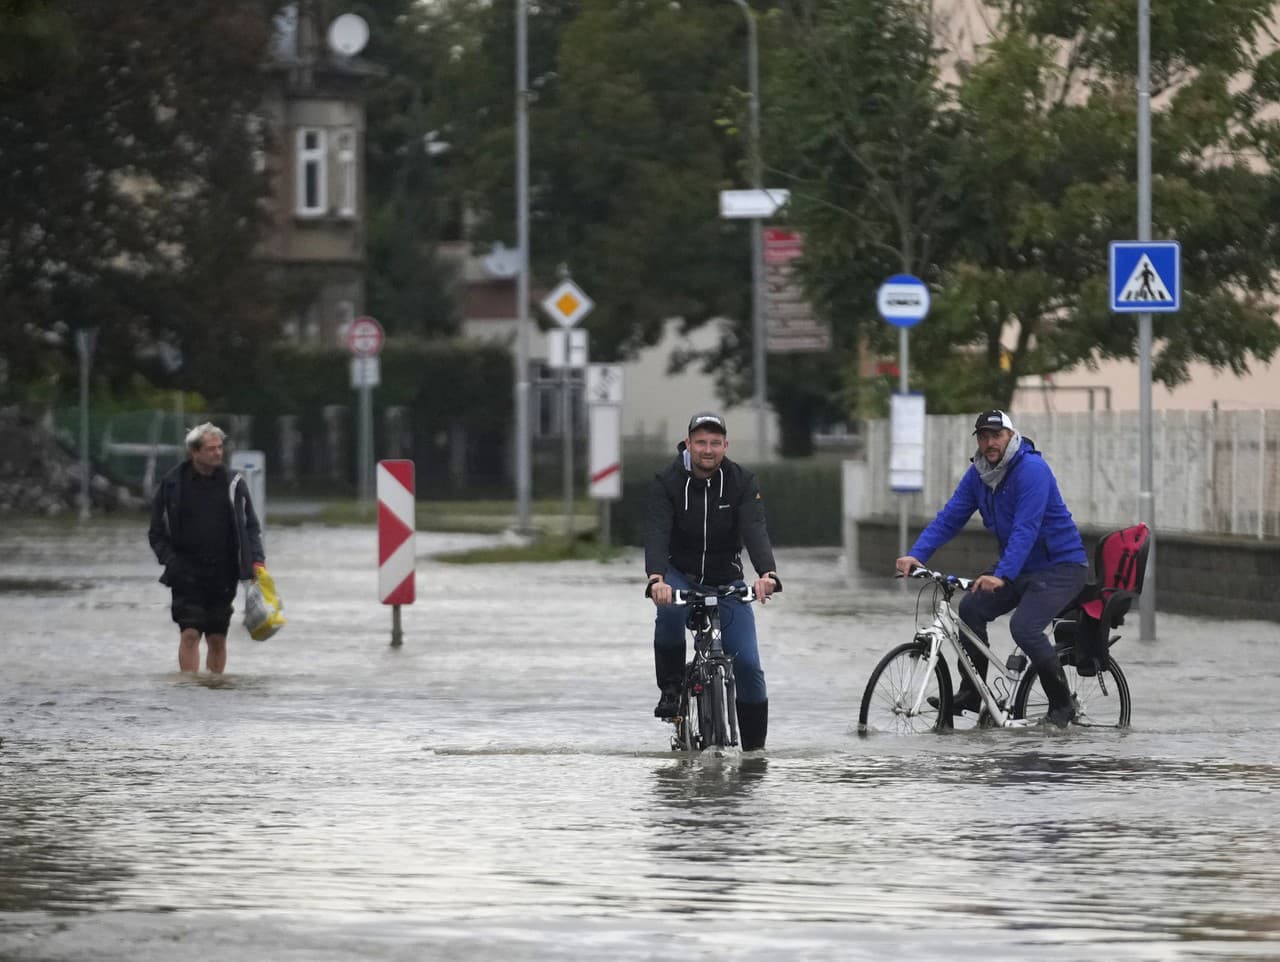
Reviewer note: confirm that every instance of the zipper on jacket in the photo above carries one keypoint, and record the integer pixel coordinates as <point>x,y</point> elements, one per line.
<point>706,510</point>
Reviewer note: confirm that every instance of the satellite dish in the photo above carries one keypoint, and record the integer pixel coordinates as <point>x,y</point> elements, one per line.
<point>348,34</point>
<point>502,261</point>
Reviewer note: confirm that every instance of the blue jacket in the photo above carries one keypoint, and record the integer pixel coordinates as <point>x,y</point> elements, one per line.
<point>1025,511</point>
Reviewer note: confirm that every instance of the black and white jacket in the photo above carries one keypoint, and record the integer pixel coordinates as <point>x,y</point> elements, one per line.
<point>165,511</point>
<point>700,526</point>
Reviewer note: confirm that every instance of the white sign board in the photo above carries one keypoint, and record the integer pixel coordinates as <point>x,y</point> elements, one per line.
<point>253,465</point>
<point>566,347</point>
<point>604,384</point>
<point>366,371</point>
<point>741,204</point>
<point>906,443</point>
<point>604,457</point>
<point>567,304</point>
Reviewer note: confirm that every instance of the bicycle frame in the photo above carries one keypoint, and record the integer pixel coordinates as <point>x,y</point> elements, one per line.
<point>708,656</point>
<point>947,628</point>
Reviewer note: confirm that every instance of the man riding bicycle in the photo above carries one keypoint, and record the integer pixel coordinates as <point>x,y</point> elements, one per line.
<point>1042,566</point>
<point>703,508</point>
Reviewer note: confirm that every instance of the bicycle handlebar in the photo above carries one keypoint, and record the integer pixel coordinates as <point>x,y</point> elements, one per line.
<point>947,581</point>
<point>693,596</point>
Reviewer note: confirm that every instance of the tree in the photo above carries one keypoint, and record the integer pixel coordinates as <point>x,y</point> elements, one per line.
<point>627,158</point>
<point>129,198</point>
<point>1037,174</point>
<point>861,124</point>
<point>408,197</point>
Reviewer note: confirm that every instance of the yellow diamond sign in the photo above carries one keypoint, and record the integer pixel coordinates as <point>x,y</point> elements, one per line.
<point>567,304</point>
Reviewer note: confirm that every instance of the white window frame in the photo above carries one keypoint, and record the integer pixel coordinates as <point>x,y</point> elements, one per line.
<point>314,158</point>
<point>345,154</point>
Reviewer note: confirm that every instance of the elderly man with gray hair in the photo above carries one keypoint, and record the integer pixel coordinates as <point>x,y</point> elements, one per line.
<point>206,534</point>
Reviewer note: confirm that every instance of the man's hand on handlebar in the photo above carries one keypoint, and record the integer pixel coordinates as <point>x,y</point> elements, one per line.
<point>659,590</point>
<point>766,585</point>
<point>987,583</point>
<point>907,564</point>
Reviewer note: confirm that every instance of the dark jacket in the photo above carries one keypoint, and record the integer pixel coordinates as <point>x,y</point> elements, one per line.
<point>700,526</point>
<point>1026,512</point>
<point>165,512</point>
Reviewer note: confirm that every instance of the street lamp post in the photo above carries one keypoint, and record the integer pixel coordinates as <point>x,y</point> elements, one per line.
<point>523,460</point>
<point>757,242</point>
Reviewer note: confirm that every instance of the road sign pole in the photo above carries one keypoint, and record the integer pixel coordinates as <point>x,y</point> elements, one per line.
<point>903,300</point>
<point>904,381</point>
<point>566,430</point>
<point>85,340</point>
<point>1146,500</point>
<point>365,447</point>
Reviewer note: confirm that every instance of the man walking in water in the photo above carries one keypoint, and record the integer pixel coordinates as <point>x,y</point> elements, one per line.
<point>206,534</point>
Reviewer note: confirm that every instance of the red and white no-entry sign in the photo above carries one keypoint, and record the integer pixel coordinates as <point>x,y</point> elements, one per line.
<point>396,549</point>
<point>364,337</point>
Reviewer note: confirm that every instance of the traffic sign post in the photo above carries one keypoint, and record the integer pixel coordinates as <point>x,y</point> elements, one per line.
<point>365,337</point>
<point>604,459</point>
<point>397,554</point>
<point>364,340</point>
<point>1146,277</point>
<point>567,304</point>
<point>903,301</point>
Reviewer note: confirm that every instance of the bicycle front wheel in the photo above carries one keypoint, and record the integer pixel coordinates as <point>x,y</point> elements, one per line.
<point>716,727</point>
<point>1103,699</point>
<point>903,696</point>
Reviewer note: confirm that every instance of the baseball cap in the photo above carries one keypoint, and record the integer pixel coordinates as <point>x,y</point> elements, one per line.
<point>992,420</point>
<point>707,421</point>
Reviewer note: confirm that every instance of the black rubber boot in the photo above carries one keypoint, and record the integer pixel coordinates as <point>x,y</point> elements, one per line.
<point>753,725</point>
<point>669,664</point>
<point>1062,708</point>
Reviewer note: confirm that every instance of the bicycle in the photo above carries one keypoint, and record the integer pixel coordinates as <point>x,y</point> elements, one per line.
<point>910,689</point>
<point>708,714</point>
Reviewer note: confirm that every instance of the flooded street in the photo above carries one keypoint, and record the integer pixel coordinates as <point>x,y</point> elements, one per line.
<point>497,788</point>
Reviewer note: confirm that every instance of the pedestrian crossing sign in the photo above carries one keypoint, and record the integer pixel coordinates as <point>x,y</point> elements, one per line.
<point>1146,277</point>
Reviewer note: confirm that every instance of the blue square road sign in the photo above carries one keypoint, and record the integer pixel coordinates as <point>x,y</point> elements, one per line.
<point>1146,277</point>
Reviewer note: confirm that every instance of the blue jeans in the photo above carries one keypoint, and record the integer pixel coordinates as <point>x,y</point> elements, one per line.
<point>1037,597</point>
<point>737,634</point>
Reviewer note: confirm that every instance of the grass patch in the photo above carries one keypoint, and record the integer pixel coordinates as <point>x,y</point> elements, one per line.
<point>467,517</point>
<point>538,550</point>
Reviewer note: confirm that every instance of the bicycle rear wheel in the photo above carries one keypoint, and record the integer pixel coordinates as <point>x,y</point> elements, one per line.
<point>685,736</point>
<point>1103,698</point>
<point>903,696</point>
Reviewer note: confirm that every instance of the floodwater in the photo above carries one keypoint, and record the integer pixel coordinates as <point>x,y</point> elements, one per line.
<point>497,789</point>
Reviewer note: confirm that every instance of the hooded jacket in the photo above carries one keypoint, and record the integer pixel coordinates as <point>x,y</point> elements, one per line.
<point>166,510</point>
<point>700,525</point>
<point>1026,512</point>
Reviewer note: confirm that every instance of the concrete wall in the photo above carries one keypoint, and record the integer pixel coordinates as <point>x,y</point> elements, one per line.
<point>1214,577</point>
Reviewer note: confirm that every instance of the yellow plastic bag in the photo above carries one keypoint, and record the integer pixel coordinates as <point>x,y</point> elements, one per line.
<point>263,609</point>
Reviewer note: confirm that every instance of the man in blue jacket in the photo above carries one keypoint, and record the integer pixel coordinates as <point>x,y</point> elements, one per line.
<point>1042,565</point>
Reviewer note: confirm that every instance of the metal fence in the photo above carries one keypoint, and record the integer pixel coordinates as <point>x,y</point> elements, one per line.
<point>1214,472</point>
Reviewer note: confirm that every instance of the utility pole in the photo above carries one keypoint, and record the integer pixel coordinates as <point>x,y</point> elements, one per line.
<point>759,356</point>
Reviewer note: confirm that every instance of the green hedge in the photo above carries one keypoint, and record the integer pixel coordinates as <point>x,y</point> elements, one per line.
<point>439,379</point>
<point>802,500</point>
<point>441,383</point>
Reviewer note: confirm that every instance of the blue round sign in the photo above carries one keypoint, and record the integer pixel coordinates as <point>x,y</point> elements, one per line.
<point>903,300</point>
